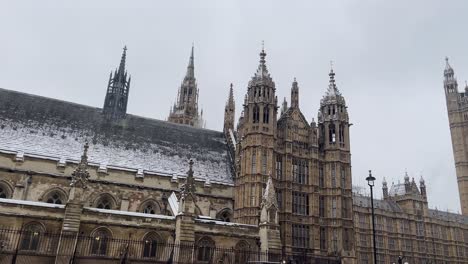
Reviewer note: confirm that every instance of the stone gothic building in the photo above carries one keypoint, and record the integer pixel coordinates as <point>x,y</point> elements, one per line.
<point>89,185</point>
<point>457,108</point>
<point>185,110</point>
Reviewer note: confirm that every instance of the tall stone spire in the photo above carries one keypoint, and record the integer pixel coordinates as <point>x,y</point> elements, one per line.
<point>295,94</point>
<point>185,111</point>
<point>191,67</point>
<point>115,103</point>
<point>229,112</point>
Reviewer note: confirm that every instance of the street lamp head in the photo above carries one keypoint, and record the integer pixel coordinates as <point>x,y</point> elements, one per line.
<point>370,179</point>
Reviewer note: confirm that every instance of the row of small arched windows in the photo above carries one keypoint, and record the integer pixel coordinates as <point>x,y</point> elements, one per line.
<point>152,243</point>
<point>256,114</point>
<point>106,201</point>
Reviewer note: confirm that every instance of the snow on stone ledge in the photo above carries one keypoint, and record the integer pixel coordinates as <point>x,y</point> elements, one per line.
<point>31,203</point>
<point>126,213</point>
<point>208,220</point>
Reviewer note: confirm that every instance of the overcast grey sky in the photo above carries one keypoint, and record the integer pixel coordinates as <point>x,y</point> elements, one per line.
<point>388,58</point>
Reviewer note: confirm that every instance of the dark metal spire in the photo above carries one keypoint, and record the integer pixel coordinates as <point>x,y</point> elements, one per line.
<point>191,66</point>
<point>121,72</point>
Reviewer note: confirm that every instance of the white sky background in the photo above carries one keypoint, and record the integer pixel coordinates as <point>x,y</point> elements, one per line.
<point>388,58</point>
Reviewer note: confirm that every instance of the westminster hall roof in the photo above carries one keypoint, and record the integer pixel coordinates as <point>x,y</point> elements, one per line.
<point>57,129</point>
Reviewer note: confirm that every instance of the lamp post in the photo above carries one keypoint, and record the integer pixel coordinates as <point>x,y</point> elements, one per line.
<point>370,181</point>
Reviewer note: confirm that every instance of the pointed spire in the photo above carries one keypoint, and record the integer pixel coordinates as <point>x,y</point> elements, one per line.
<point>231,96</point>
<point>191,66</point>
<point>81,175</point>
<point>295,94</point>
<point>121,71</point>
<point>284,107</point>
<point>448,71</point>
<point>188,188</point>
<point>262,71</point>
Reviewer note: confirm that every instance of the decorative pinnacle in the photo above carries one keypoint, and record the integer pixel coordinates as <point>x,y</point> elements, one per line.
<point>262,54</point>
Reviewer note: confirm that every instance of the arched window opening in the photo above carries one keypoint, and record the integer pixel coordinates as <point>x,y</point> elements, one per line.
<point>225,215</point>
<point>264,161</point>
<point>150,245</point>
<point>332,133</point>
<point>31,236</point>
<point>105,201</point>
<point>256,114</point>
<point>150,207</point>
<point>5,190</point>
<point>254,161</point>
<point>242,252</point>
<point>100,242</point>
<point>121,103</point>
<point>266,115</point>
<point>111,101</point>
<point>55,198</point>
<point>205,249</point>
<point>341,134</point>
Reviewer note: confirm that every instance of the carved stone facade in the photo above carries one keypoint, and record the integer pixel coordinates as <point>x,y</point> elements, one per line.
<point>275,184</point>
<point>406,226</point>
<point>310,165</point>
<point>457,108</point>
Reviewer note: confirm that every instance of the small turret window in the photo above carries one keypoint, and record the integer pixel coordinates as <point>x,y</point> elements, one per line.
<point>256,114</point>
<point>332,133</point>
<point>254,161</point>
<point>266,115</point>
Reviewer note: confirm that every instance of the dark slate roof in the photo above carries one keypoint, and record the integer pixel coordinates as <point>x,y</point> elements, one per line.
<point>58,129</point>
<point>387,205</point>
<point>392,206</point>
<point>447,216</point>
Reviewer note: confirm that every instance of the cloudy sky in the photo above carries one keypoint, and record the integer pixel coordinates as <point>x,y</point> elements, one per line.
<point>388,58</point>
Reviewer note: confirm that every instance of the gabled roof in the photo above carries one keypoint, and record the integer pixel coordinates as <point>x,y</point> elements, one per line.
<point>289,115</point>
<point>44,126</point>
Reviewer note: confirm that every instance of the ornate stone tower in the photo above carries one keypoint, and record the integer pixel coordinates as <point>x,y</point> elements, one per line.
<point>229,112</point>
<point>256,141</point>
<point>185,110</point>
<point>457,108</point>
<point>336,194</point>
<point>115,103</point>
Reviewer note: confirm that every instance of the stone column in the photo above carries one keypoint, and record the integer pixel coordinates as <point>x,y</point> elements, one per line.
<point>73,209</point>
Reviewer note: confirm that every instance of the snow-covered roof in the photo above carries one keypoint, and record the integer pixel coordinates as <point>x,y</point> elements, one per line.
<point>36,125</point>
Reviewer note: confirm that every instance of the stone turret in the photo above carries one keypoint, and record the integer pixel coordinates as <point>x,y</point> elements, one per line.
<point>73,209</point>
<point>118,88</point>
<point>185,110</point>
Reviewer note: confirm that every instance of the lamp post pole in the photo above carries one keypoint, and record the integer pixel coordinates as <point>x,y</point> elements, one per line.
<point>370,181</point>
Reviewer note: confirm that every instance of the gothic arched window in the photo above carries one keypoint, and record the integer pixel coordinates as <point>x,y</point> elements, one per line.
<point>266,115</point>
<point>256,114</point>
<point>55,198</point>
<point>150,207</point>
<point>205,249</point>
<point>105,201</point>
<point>150,247</point>
<point>100,242</point>
<point>31,236</point>
<point>242,252</point>
<point>225,215</point>
<point>5,190</point>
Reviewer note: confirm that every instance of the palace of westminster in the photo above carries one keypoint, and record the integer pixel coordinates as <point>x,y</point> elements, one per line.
<point>270,182</point>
